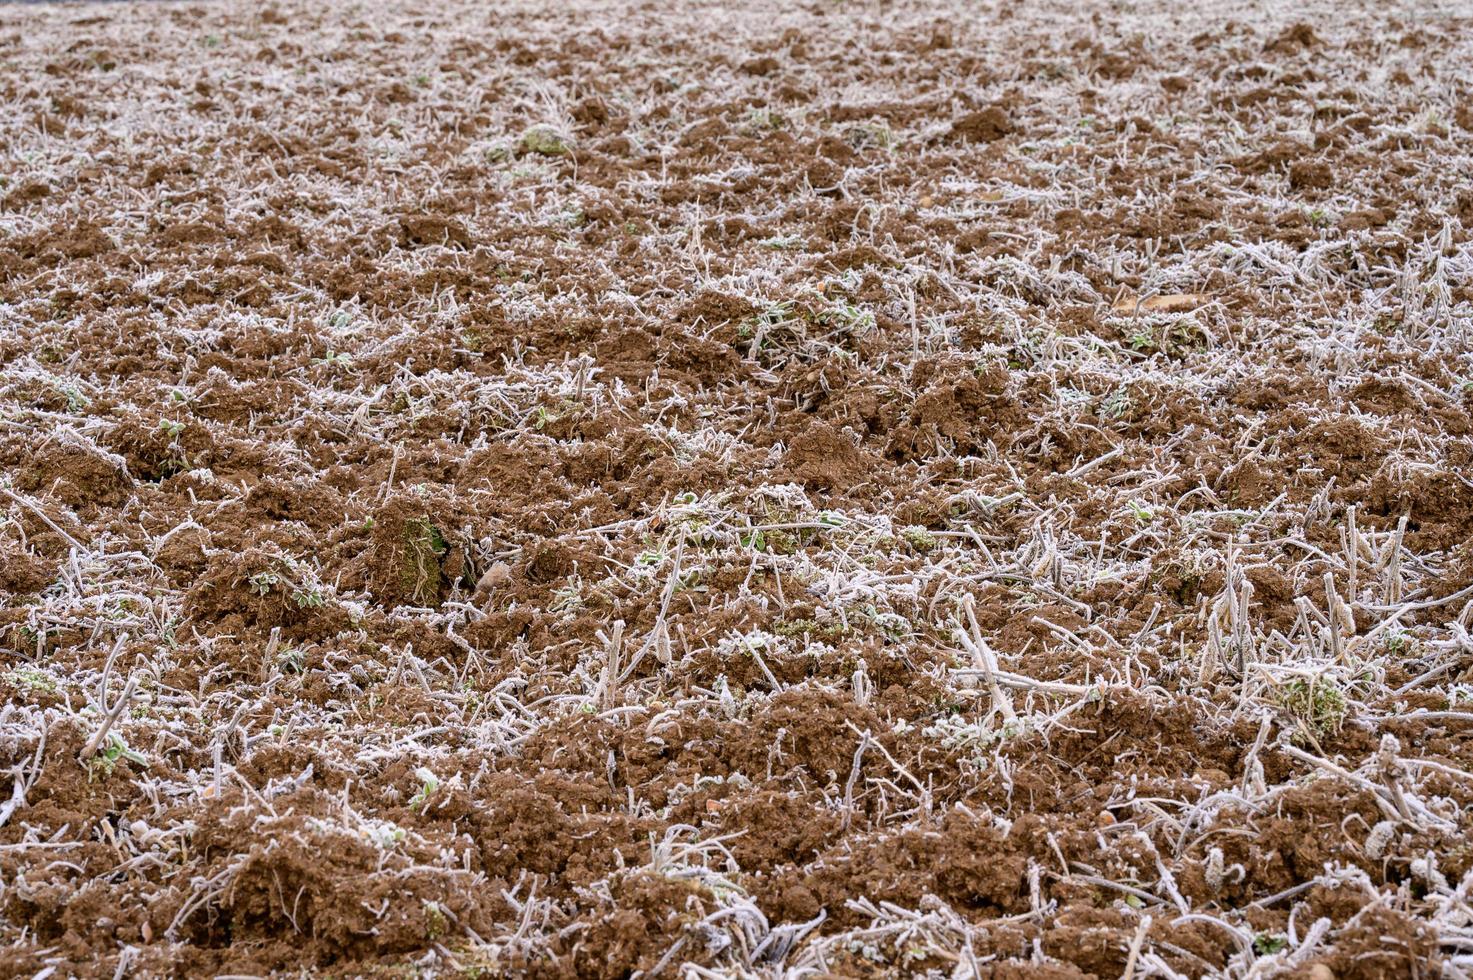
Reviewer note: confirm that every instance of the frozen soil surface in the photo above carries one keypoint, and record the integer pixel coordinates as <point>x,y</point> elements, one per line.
<point>641,490</point>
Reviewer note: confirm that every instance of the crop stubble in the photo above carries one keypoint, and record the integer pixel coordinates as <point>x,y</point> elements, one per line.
<point>838,487</point>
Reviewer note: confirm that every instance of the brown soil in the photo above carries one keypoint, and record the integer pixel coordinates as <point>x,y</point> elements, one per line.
<point>544,490</point>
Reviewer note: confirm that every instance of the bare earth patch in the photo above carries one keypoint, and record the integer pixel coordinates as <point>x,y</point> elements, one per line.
<point>607,489</point>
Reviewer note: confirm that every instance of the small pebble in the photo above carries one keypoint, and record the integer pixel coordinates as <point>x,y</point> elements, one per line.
<point>497,574</point>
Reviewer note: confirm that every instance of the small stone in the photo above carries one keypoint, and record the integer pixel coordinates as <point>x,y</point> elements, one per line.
<point>497,574</point>
<point>1169,303</point>
<point>1105,819</point>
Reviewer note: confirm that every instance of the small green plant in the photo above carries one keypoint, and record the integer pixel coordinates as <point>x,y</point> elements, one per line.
<point>1317,703</point>
<point>428,784</point>
<point>1267,944</point>
<point>1117,405</point>
<point>757,541</point>
<point>955,732</point>
<point>311,598</point>
<point>779,542</point>
<point>892,626</point>
<point>832,631</point>
<point>30,677</point>
<point>920,539</point>
<point>171,428</point>
<point>435,923</point>
<point>567,599</point>
<point>867,135</point>
<point>765,119</point>
<point>385,835</point>
<point>847,316</point>
<point>104,762</point>
<point>262,583</point>
<point>75,400</point>
<point>1141,512</point>
<point>1386,324</point>
<point>292,660</point>
<point>543,141</point>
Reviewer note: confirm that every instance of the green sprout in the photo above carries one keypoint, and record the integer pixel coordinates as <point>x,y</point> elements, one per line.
<point>435,923</point>
<point>308,598</point>
<point>1117,405</point>
<point>850,317</point>
<point>32,678</point>
<point>262,583</point>
<point>567,599</point>
<point>1267,944</point>
<point>1317,703</point>
<point>428,784</point>
<point>107,760</point>
<point>920,539</point>
<point>75,400</point>
<point>544,141</point>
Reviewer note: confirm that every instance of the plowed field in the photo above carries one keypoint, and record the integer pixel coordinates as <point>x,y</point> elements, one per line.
<point>780,489</point>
